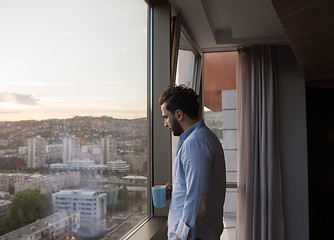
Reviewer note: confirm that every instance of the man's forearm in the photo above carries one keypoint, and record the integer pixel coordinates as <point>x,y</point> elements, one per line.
<point>176,238</point>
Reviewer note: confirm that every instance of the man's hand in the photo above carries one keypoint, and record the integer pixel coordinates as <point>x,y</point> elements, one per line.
<point>176,238</point>
<point>169,189</point>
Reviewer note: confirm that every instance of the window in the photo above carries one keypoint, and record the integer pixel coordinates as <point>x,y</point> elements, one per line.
<point>185,68</point>
<point>73,103</point>
<point>188,63</point>
<point>221,117</point>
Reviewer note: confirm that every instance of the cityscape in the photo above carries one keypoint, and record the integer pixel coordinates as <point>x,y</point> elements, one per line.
<point>90,174</point>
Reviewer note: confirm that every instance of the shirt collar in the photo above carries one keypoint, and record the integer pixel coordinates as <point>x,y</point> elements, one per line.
<point>185,134</point>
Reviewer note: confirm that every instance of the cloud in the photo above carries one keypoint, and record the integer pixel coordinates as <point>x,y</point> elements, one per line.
<point>21,99</point>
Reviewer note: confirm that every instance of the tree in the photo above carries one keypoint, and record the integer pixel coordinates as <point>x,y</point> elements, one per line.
<point>11,189</point>
<point>27,207</point>
<point>123,199</point>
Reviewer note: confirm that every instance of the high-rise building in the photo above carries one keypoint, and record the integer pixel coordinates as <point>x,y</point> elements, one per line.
<point>108,149</point>
<point>71,148</point>
<point>54,153</point>
<point>36,152</point>
<point>67,149</point>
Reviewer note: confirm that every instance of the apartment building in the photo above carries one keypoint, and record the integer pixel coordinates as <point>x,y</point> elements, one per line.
<point>60,225</point>
<point>71,148</point>
<point>54,153</point>
<point>91,205</point>
<point>10,179</point>
<point>4,206</point>
<point>108,149</point>
<point>119,165</point>
<point>48,183</point>
<point>36,152</point>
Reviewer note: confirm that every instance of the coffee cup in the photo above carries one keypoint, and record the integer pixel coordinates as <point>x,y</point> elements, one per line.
<point>159,196</point>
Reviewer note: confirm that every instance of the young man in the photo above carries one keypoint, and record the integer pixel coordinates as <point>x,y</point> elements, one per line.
<point>199,180</point>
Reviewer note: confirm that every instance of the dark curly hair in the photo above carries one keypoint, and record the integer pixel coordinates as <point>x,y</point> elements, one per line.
<point>181,97</point>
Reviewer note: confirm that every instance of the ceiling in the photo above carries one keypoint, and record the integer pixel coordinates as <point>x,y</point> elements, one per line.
<point>309,25</point>
<point>306,25</point>
<point>224,24</point>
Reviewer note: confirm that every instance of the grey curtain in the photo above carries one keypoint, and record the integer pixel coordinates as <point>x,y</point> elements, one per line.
<point>260,211</point>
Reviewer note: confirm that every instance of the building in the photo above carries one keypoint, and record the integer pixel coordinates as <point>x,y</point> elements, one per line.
<point>10,162</point>
<point>54,153</point>
<point>120,166</point>
<point>71,148</point>
<point>36,152</point>
<point>77,164</point>
<point>67,149</point>
<point>86,167</point>
<point>23,154</point>
<point>91,151</point>
<point>135,179</point>
<point>4,206</point>
<point>49,183</point>
<point>4,195</point>
<point>56,226</point>
<point>108,149</point>
<point>91,205</point>
<point>10,179</point>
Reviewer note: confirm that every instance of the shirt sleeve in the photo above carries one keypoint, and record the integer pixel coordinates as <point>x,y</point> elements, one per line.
<point>197,160</point>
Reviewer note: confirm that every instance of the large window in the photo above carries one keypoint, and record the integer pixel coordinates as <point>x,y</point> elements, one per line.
<point>73,117</point>
<point>187,73</point>
<point>221,117</point>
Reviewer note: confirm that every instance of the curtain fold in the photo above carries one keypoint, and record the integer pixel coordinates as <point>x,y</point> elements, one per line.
<point>260,210</point>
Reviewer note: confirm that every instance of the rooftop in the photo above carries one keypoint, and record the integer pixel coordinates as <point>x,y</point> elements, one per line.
<point>35,227</point>
<point>79,192</point>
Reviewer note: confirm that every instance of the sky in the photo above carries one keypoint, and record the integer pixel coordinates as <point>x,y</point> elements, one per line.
<point>66,58</point>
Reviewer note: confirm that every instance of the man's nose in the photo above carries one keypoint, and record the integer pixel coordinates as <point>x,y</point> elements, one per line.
<point>165,124</point>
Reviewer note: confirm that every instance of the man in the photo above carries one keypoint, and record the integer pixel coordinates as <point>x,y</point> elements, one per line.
<point>199,179</point>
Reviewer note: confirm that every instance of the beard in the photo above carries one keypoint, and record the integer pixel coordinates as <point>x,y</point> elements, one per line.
<point>176,128</point>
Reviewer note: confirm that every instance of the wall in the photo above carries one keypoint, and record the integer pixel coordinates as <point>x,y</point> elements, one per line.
<point>320,132</point>
<point>293,144</point>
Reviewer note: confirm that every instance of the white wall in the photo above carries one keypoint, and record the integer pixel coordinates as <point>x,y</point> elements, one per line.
<point>293,144</point>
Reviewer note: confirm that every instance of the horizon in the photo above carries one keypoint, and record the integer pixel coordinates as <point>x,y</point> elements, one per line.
<point>82,116</point>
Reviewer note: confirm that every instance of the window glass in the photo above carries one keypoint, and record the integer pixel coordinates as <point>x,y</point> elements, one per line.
<point>220,116</point>
<point>185,68</point>
<point>185,74</point>
<point>185,71</point>
<point>73,117</point>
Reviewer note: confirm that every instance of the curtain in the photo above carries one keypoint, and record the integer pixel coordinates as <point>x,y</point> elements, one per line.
<point>260,211</point>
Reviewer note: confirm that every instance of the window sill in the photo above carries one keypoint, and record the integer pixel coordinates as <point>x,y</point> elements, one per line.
<point>155,229</point>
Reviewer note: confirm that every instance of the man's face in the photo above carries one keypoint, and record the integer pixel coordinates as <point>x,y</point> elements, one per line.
<point>170,121</point>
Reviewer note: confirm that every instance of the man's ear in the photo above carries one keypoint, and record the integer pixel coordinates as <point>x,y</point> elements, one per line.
<point>179,114</point>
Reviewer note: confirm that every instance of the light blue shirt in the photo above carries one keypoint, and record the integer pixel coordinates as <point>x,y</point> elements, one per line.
<point>199,184</point>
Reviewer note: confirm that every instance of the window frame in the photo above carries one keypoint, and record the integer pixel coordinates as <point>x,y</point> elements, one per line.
<point>160,141</point>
